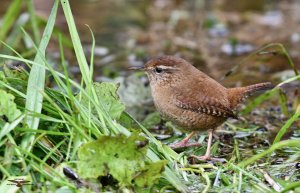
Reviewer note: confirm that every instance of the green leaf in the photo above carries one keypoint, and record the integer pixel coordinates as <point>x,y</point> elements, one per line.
<point>150,174</point>
<point>8,107</point>
<point>122,157</point>
<point>107,94</point>
<point>119,156</point>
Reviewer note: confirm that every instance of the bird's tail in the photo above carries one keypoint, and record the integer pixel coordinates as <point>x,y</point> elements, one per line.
<point>239,94</point>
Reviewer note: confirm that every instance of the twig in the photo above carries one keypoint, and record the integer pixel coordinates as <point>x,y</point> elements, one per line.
<point>272,182</point>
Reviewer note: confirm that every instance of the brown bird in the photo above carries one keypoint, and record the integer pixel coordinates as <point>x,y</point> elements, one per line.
<point>191,99</point>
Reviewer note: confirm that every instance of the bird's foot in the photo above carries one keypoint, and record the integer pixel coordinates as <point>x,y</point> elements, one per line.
<point>183,144</point>
<point>208,158</point>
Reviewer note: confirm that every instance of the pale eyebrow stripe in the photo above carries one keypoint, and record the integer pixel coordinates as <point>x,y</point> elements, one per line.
<point>167,67</point>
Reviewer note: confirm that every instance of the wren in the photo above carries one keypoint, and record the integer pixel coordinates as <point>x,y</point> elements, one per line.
<point>191,99</point>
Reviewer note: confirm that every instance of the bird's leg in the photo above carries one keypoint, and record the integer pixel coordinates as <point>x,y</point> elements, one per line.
<point>207,156</point>
<point>184,142</point>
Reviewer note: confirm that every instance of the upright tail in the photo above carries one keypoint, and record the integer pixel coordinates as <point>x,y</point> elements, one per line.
<point>238,95</point>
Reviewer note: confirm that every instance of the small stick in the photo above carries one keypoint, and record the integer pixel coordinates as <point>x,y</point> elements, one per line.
<point>272,182</point>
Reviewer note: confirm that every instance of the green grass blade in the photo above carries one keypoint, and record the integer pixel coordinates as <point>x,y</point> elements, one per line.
<point>36,81</point>
<point>289,80</point>
<point>33,20</point>
<point>281,144</point>
<point>169,174</point>
<point>287,125</point>
<point>84,68</point>
<point>258,100</point>
<point>8,127</point>
<point>10,17</point>
<point>64,65</point>
<point>291,186</point>
<point>92,53</point>
<point>269,94</point>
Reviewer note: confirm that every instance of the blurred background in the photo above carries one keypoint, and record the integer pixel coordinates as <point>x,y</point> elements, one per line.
<point>214,35</point>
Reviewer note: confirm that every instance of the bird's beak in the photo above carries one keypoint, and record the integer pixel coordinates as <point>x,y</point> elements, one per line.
<point>137,68</point>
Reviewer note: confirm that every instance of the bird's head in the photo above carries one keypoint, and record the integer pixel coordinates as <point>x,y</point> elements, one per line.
<point>165,69</point>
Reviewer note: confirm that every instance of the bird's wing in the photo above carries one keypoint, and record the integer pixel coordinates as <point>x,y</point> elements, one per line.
<point>200,103</point>
<point>215,109</point>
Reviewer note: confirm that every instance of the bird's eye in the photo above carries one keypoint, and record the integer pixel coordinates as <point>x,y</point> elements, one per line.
<point>158,70</point>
